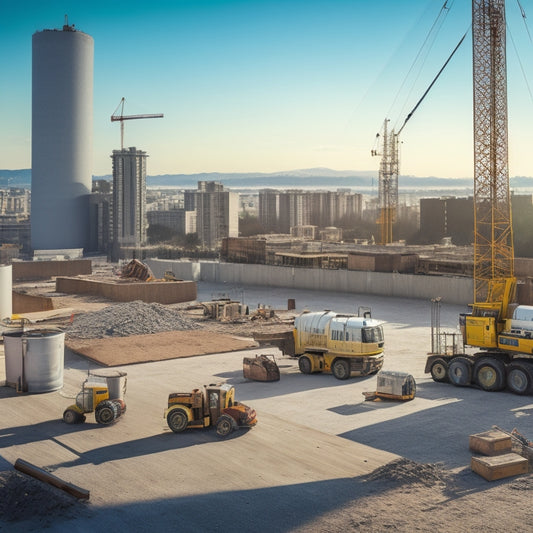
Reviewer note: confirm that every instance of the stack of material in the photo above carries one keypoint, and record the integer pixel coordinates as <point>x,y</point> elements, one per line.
<point>499,461</point>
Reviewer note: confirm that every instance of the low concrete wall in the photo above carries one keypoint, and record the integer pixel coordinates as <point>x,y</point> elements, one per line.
<point>26,303</point>
<point>26,270</point>
<point>451,289</point>
<point>164,292</point>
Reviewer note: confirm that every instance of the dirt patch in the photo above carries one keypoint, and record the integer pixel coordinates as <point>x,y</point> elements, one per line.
<point>406,471</point>
<point>25,498</point>
<point>116,351</point>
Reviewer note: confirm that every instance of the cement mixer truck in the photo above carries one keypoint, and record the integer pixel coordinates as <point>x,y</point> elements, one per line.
<point>343,344</point>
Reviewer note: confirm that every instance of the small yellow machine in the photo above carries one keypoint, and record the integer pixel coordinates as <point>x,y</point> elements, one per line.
<point>101,394</point>
<point>214,406</point>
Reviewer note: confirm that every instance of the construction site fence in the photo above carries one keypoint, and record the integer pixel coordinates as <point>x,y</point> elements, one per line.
<point>457,290</point>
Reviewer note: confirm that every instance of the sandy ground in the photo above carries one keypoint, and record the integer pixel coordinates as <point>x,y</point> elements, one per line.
<point>321,459</point>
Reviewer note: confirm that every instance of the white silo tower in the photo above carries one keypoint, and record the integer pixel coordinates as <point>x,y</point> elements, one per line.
<point>62,116</point>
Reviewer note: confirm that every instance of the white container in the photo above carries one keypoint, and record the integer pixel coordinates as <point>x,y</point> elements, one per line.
<point>6,291</point>
<point>116,382</point>
<point>34,360</point>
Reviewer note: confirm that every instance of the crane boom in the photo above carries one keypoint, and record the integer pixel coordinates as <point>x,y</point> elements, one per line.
<point>115,117</point>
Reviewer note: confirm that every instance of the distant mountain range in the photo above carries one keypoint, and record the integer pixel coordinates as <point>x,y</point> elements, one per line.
<point>297,179</point>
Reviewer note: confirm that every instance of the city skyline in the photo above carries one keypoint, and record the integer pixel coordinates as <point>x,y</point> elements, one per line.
<point>270,85</point>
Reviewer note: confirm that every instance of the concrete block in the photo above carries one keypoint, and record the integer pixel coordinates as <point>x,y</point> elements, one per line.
<point>493,442</point>
<point>500,466</point>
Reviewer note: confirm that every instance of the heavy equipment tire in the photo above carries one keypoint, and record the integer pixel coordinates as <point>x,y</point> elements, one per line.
<point>489,374</point>
<point>225,425</point>
<point>305,365</point>
<point>520,378</point>
<point>439,370</point>
<point>460,371</point>
<point>106,412</point>
<point>177,420</point>
<point>341,368</point>
<point>70,416</point>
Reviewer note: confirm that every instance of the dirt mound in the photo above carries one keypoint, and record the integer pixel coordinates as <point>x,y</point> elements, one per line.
<point>25,498</point>
<point>405,471</point>
<point>131,318</point>
<point>524,483</point>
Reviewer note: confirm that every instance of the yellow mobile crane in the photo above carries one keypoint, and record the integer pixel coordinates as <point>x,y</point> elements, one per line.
<point>505,342</point>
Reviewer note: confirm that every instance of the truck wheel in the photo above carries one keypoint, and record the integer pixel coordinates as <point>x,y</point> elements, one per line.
<point>439,370</point>
<point>460,371</point>
<point>106,412</point>
<point>72,417</point>
<point>489,373</point>
<point>341,368</point>
<point>304,364</point>
<point>520,378</point>
<point>225,425</point>
<point>177,420</point>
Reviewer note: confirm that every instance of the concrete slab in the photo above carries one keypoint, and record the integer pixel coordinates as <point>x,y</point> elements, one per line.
<point>315,441</point>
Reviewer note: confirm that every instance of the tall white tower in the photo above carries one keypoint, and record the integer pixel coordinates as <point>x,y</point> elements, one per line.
<point>62,130</point>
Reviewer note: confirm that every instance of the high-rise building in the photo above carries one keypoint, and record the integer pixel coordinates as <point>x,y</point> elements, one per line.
<point>217,214</point>
<point>129,200</point>
<point>268,210</point>
<point>62,116</point>
<point>181,221</point>
<point>294,209</point>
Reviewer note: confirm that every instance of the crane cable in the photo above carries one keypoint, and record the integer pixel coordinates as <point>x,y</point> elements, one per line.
<point>430,38</point>
<point>523,13</point>
<point>432,83</point>
<point>432,34</point>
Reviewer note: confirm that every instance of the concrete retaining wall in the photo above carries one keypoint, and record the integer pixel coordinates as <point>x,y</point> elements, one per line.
<point>164,292</point>
<point>451,289</point>
<point>26,303</point>
<point>25,270</point>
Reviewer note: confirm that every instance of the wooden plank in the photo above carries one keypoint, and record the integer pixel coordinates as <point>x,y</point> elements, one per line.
<point>500,466</point>
<point>493,442</point>
<point>46,477</point>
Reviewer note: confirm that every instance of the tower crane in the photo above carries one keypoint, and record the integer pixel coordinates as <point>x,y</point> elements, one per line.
<point>505,343</point>
<point>389,167</point>
<point>121,117</point>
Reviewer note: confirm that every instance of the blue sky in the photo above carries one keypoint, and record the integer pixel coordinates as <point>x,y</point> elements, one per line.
<point>268,85</point>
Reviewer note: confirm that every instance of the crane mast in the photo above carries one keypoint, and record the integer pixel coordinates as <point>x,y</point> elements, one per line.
<point>493,238</point>
<point>388,183</point>
<point>504,343</point>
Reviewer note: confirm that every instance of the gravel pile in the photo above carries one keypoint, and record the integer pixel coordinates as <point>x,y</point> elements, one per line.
<point>406,471</point>
<point>25,498</point>
<point>131,318</point>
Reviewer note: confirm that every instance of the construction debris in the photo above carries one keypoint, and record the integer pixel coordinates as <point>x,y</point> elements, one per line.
<point>137,270</point>
<point>125,319</point>
<point>407,471</point>
<point>224,309</point>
